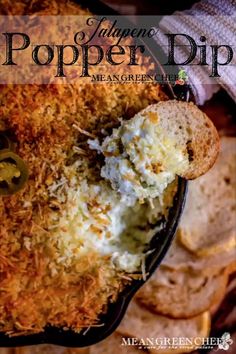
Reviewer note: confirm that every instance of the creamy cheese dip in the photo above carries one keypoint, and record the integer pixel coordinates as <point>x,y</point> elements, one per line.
<point>96,218</point>
<point>115,216</point>
<point>140,159</point>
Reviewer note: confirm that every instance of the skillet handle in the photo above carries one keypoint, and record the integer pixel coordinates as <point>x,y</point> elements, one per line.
<point>183,92</point>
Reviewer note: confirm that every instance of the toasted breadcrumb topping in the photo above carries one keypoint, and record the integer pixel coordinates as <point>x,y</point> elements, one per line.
<point>43,280</point>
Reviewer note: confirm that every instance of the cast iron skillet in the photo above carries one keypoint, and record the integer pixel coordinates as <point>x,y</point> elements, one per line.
<point>160,242</point>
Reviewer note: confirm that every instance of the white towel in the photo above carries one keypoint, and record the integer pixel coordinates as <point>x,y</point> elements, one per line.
<point>216,20</point>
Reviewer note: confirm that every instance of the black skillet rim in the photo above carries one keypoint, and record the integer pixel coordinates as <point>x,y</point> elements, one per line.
<point>161,241</point>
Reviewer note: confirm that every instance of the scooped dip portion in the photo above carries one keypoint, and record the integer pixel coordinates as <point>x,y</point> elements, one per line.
<point>141,158</point>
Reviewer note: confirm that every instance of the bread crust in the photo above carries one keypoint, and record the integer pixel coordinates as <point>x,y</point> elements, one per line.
<point>185,295</point>
<point>211,204</point>
<point>141,323</point>
<point>193,131</point>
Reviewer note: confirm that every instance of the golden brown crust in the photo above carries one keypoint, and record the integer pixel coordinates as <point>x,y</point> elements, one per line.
<point>187,295</point>
<point>48,349</point>
<point>193,132</point>
<point>201,149</point>
<point>40,119</point>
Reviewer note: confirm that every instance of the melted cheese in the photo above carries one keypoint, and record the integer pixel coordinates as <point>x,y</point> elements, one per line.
<point>140,160</point>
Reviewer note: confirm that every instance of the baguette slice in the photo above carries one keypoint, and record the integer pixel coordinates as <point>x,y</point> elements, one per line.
<point>141,323</point>
<point>193,131</point>
<point>182,294</point>
<point>49,349</point>
<point>113,344</point>
<point>180,258</point>
<point>208,225</point>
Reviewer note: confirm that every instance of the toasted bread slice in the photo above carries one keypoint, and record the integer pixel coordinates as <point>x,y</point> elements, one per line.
<point>49,349</point>
<point>179,258</point>
<point>141,323</point>
<point>208,225</point>
<point>218,241</point>
<point>215,307</point>
<point>114,344</point>
<point>185,294</point>
<point>231,285</point>
<point>192,130</point>
<point>164,140</point>
<point>231,268</point>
